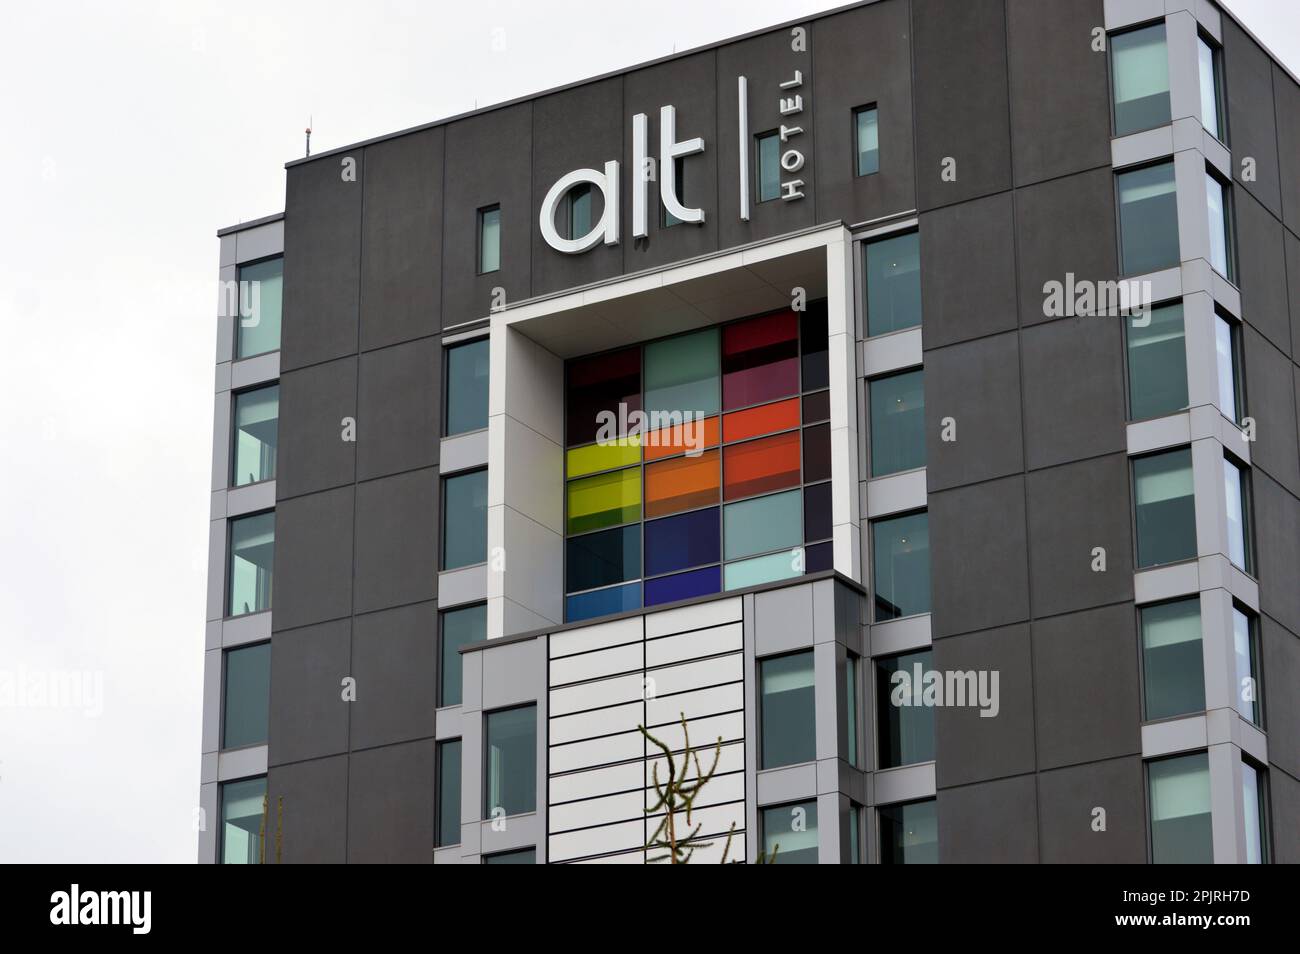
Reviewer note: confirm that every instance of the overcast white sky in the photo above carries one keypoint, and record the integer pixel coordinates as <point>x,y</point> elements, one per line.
<point>129,133</point>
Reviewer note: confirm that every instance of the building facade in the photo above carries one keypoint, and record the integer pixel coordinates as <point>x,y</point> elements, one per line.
<point>904,397</point>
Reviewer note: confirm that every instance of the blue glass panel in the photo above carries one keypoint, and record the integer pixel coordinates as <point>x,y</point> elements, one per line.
<point>682,541</point>
<point>683,586</point>
<point>616,599</point>
<point>599,559</point>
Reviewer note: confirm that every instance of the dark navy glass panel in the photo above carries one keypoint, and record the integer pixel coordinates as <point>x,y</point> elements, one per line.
<point>616,599</point>
<point>682,541</point>
<point>819,557</point>
<point>813,335</point>
<point>683,586</point>
<point>600,559</point>
<point>817,512</point>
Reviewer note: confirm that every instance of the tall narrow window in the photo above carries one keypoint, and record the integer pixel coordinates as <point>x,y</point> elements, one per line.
<point>866,128</point>
<point>252,564</point>
<point>1173,667</point>
<point>511,751</point>
<point>1245,643</point>
<point>893,270</point>
<point>679,177</point>
<point>464,520</point>
<point>769,166</point>
<point>1254,807</point>
<point>901,560</point>
<point>909,834</point>
<point>489,239</point>
<point>242,819</point>
<point>578,202</point>
<point>1236,489</point>
<point>448,793</point>
<point>905,723</point>
<point>851,708</point>
<point>1218,199</point>
<point>1211,88</point>
<point>855,834</point>
<point>466,397</point>
<point>1140,79</point>
<point>787,710</point>
<point>1157,363</point>
<point>1227,343</point>
<point>897,423</point>
<point>1180,810</point>
<point>1148,219</point>
<point>247,697</point>
<point>460,627</point>
<point>256,426</point>
<point>1166,508</point>
<point>261,294</point>
<point>790,834</point>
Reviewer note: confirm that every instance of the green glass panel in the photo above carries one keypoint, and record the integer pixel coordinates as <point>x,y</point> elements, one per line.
<point>1148,219</point>
<point>241,821</point>
<point>257,418</point>
<point>460,627</point>
<point>1180,810</point>
<point>1166,508</point>
<point>897,423</point>
<point>464,521</point>
<point>790,832</point>
<point>764,569</point>
<point>767,523</point>
<point>604,500</point>
<point>1140,64</point>
<point>595,457</point>
<point>511,762</point>
<point>893,284</point>
<point>769,167</point>
<point>448,793</point>
<point>1173,668</point>
<point>1157,363</point>
<point>247,696</point>
<point>682,374</point>
<point>261,291</point>
<point>252,564</point>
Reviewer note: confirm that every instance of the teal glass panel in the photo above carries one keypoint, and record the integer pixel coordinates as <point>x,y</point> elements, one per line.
<point>767,523</point>
<point>765,569</point>
<point>682,374</point>
<point>261,294</point>
<point>893,269</point>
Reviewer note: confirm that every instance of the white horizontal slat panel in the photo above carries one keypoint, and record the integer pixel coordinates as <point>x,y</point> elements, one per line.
<point>595,782</point>
<point>704,642</point>
<point>704,732</point>
<point>699,616</point>
<point>594,841</point>
<point>603,662</point>
<point>695,705</point>
<point>600,636</point>
<point>588,725</point>
<point>593,695</point>
<point>699,674</point>
<point>629,806</point>
<point>596,752</point>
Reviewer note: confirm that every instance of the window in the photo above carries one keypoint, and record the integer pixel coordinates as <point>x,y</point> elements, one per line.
<point>525,856</point>
<point>1255,808</point>
<point>243,807</point>
<point>1157,363</point>
<point>252,564</point>
<point>851,708</point>
<point>247,696</point>
<point>1218,199</point>
<point>257,415</point>
<point>1148,219</point>
<point>866,129</point>
<point>1227,342</point>
<point>467,387</point>
<point>679,178</point>
<point>464,519</point>
<point>489,239</point>
<point>448,793</point>
<point>1211,88</point>
<point>905,723</point>
<point>893,273</point>
<point>460,627</point>
<point>769,167</point>
<point>1245,640</point>
<point>901,566</point>
<point>1236,489</point>
<point>855,834</point>
<point>1166,508</point>
<point>1140,79</point>
<point>897,423</point>
<point>787,710</point>
<point>790,834</point>
<point>511,762</point>
<point>1180,810</point>
<point>577,211</point>
<point>909,834</point>
<point>1173,668</point>
<point>261,293</point>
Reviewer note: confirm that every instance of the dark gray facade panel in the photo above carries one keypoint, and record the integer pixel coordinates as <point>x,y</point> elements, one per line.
<point>990,823</point>
<point>488,162</point>
<point>1074,509</point>
<point>1277,532</point>
<point>1292,245</point>
<point>399,407</point>
<point>991,590</point>
<point>393,662</point>
<point>987,431</point>
<point>968,275</point>
<point>313,403</point>
<point>1067,801</point>
<point>322,261</point>
<point>401,261</point>
<point>1064,226</point>
<point>1280,650</point>
<point>309,717</point>
<point>1284,793</point>
<point>397,540</point>
<point>959,50</point>
<point>1286,102</point>
<point>1271,401</point>
<point>1261,272</point>
<point>1248,79</point>
<point>313,814</point>
<point>313,559</point>
<point>1060,119</point>
<point>1087,705</point>
<point>1073,390</point>
<point>391,804</point>
<point>863,57</point>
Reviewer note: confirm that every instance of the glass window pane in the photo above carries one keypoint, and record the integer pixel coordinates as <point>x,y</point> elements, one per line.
<point>683,586</point>
<point>603,558</point>
<point>460,627</point>
<point>252,564</point>
<point>867,128</point>
<point>855,835</point>
<point>489,240</point>
<point>902,566</point>
<point>1157,363</point>
<point>1252,800</point>
<point>616,599</point>
<point>242,819</point>
<point>602,390</point>
<point>247,696</point>
<point>906,723</point>
<point>621,452</point>
<point>1238,515</point>
<point>511,752</point>
<point>790,833</point>
<point>1166,508</point>
<point>817,512</point>
<point>256,425</point>
<point>1225,343</point>
<point>815,345</point>
<point>261,294</point>
<point>897,423</point>
<point>756,467</point>
<point>787,710</point>
<point>819,557</point>
<point>1244,647</point>
<point>1140,67</point>
<point>525,856</point>
<point>690,438</point>
<point>769,167</point>
<point>448,793</point>
<point>1209,77</point>
<point>1216,198</point>
<point>681,375</point>
<point>817,452</point>
<point>1173,666</point>
<point>766,523</point>
<point>909,834</point>
<point>893,284</point>
<point>764,419</point>
<point>680,542</point>
<point>765,569</point>
<point>580,200</point>
<point>1180,810</point>
<point>851,708</point>
<point>1148,219</point>
<point>467,387</point>
<point>681,483</point>
<point>760,360</point>
<point>464,520</point>
<point>604,500</point>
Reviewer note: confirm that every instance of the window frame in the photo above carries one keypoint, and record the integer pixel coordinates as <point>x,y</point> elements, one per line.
<point>879,823</point>
<point>1220,85</point>
<point>761,697</point>
<point>759,139</point>
<point>486,765</point>
<point>446,382</point>
<point>871,588</point>
<point>439,700</point>
<point>225,692</point>
<point>480,214</point>
<point>221,809</point>
<point>1143,697</point>
<point>855,158</point>
<point>442,519</point>
<point>239,307</point>
<point>231,453</point>
<point>1265,821</point>
<point>880,724</point>
<point>1256,663</point>
<point>796,803</point>
<point>871,436</point>
<point>1129,416</point>
<point>1238,358</point>
<point>440,791</point>
<point>1150,802</point>
<point>1160,20</point>
<point>230,561</point>
<point>1247,515</point>
<point>1229,225</point>
<point>1138,566</point>
<point>1116,175</point>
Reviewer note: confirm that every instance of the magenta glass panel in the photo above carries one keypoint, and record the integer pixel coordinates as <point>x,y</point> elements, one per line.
<point>602,383</point>
<point>760,360</point>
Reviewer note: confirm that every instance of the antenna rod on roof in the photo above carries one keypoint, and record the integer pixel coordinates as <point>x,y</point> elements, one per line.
<point>309,137</point>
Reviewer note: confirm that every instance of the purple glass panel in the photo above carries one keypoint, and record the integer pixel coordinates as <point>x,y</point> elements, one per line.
<point>685,540</point>
<point>817,512</point>
<point>683,586</point>
<point>815,559</point>
<point>760,360</point>
<point>817,453</point>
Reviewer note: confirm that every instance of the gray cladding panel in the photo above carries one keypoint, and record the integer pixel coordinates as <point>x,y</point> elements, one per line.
<point>313,558</point>
<point>1252,132</point>
<point>313,403</point>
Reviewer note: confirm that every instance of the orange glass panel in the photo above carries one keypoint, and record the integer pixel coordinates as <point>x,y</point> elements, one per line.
<point>756,467</point>
<point>780,416</point>
<point>668,441</point>
<point>683,483</point>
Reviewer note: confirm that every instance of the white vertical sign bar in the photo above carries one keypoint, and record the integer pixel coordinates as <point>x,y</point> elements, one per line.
<point>742,91</point>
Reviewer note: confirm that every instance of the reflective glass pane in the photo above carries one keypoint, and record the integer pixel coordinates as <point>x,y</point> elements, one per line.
<point>893,268</point>
<point>247,696</point>
<point>760,360</point>
<point>261,294</point>
<point>615,599</point>
<point>1173,667</point>
<point>604,500</point>
<point>681,483</point>
<point>817,512</point>
<point>1140,67</point>
<point>689,437</point>
<point>1166,508</point>
<point>909,834</point>
<point>460,627</point>
<point>766,523</point>
<point>868,137</point>
<point>489,247</point>
<point>464,520</point>
<point>1238,516</point>
<point>790,834</point>
<point>902,566</point>
<point>602,391</point>
<point>1216,198</point>
<point>680,542</point>
<point>1180,810</point>
<point>897,423</point>
<point>905,723</point>
<point>252,564</point>
<point>787,709</point>
<point>764,419</point>
<point>256,426</point>
<point>851,708</point>
<point>603,558</point>
<point>1252,801</point>
<point>1225,343</point>
<point>511,752</point>
<point>769,167</point>
<point>683,586</point>
<point>242,821</point>
<point>756,467</point>
<point>1207,63</point>
<point>1148,219</point>
<point>525,856</point>
<point>448,793</point>
<point>1157,363</point>
<point>622,452</point>
<point>682,375</point>
<point>1243,641</point>
<point>815,344</point>
<point>817,452</point>
<point>467,387</point>
<point>765,569</point>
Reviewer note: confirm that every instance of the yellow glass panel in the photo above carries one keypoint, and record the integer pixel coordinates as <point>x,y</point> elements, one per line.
<point>594,457</point>
<point>605,500</point>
